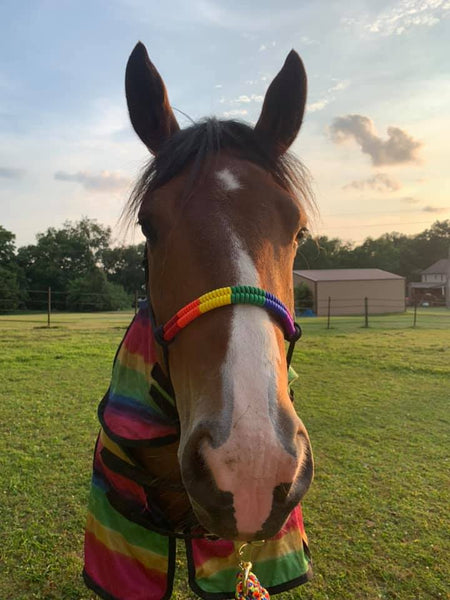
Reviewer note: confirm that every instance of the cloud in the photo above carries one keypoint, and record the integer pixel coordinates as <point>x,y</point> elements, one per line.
<point>398,148</point>
<point>401,17</point>
<point>263,47</point>
<point>380,182</point>
<point>319,105</point>
<point>218,86</point>
<point>246,99</point>
<point>235,113</point>
<point>106,181</point>
<point>328,97</point>
<point>339,86</point>
<point>237,17</point>
<point>10,173</point>
<point>409,200</point>
<point>110,118</point>
<point>308,41</point>
<point>435,209</point>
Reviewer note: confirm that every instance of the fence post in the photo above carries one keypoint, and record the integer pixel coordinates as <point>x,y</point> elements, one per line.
<point>135,301</point>
<point>366,312</point>
<point>49,305</point>
<point>329,312</point>
<point>415,313</point>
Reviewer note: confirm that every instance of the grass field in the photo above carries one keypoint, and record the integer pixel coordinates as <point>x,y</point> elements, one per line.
<point>375,402</point>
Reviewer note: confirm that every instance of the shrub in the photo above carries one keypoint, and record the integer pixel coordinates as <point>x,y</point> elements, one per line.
<point>303,297</point>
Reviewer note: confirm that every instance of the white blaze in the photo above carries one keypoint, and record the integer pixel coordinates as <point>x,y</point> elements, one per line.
<point>252,461</point>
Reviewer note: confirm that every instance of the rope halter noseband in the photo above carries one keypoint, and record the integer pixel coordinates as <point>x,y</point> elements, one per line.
<point>239,294</point>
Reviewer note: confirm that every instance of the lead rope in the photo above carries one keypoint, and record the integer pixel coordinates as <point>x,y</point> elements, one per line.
<point>248,586</point>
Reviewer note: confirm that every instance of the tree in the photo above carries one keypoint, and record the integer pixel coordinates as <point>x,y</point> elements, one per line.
<point>432,244</point>
<point>11,276</point>
<point>7,248</point>
<point>63,255</point>
<point>94,292</point>
<point>124,266</point>
<point>322,253</point>
<point>10,293</point>
<point>384,252</point>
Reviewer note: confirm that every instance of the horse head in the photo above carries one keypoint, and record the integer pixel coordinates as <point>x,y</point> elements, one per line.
<point>223,204</point>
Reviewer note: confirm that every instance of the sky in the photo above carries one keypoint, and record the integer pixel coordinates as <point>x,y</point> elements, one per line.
<point>375,137</point>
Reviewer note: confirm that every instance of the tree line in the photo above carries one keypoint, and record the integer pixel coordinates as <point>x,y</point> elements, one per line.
<point>77,262</point>
<point>85,272</point>
<point>405,255</point>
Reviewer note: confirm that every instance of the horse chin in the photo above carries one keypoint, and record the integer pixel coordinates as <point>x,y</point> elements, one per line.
<point>221,523</point>
<point>223,528</point>
<point>218,520</point>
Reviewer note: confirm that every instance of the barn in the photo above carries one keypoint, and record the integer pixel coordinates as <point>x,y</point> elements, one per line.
<point>345,290</point>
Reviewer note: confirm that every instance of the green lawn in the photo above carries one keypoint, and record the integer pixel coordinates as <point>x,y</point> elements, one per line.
<point>375,402</point>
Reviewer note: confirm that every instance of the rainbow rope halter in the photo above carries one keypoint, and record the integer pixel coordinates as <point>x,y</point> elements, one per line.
<point>238,294</point>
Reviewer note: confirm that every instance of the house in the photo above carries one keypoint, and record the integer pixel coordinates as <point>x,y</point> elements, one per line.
<point>344,291</point>
<point>434,287</point>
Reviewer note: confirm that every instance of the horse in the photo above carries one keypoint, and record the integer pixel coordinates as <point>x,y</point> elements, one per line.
<point>223,207</point>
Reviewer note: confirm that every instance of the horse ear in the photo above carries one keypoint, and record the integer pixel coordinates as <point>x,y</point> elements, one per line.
<point>284,105</point>
<point>148,102</point>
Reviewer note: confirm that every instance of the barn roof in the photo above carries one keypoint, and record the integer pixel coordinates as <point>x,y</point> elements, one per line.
<point>441,266</point>
<point>347,274</point>
<point>426,285</point>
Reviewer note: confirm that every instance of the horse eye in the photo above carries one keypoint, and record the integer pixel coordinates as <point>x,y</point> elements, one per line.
<point>302,234</point>
<point>148,231</point>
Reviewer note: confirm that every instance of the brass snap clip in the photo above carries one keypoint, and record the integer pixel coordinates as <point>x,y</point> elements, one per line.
<point>245,564</point>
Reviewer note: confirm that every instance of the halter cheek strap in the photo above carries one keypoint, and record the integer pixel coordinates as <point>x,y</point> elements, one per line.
<point>239,294</point>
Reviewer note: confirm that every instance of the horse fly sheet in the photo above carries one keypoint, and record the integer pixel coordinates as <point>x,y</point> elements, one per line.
<point>129,544</point>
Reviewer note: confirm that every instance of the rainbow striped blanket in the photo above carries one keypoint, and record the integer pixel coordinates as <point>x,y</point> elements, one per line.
<point>128,553</point>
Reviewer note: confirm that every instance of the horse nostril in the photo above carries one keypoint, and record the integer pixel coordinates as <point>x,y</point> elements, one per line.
<point>198,463</point>
<point>281,492</point>
<point>193,464</point>
<point>301,429</point>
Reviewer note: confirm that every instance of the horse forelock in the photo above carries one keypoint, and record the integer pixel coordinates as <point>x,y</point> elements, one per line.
<point>196,148</point>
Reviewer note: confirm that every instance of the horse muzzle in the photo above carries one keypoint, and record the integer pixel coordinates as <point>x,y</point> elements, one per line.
<point>245,491</point>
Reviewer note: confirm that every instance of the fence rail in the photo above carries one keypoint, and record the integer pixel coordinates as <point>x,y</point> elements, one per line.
<point>368,311</point>
<point>48,307</point>
<point>48,301</point>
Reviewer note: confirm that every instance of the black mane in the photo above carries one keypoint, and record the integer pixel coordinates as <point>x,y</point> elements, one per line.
<point>199,144</point>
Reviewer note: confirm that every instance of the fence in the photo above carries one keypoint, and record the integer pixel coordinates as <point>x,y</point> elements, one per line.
<point>367,312</point>
<point>359,305</point>
<point>46,314</point>
<point>48,301</point>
